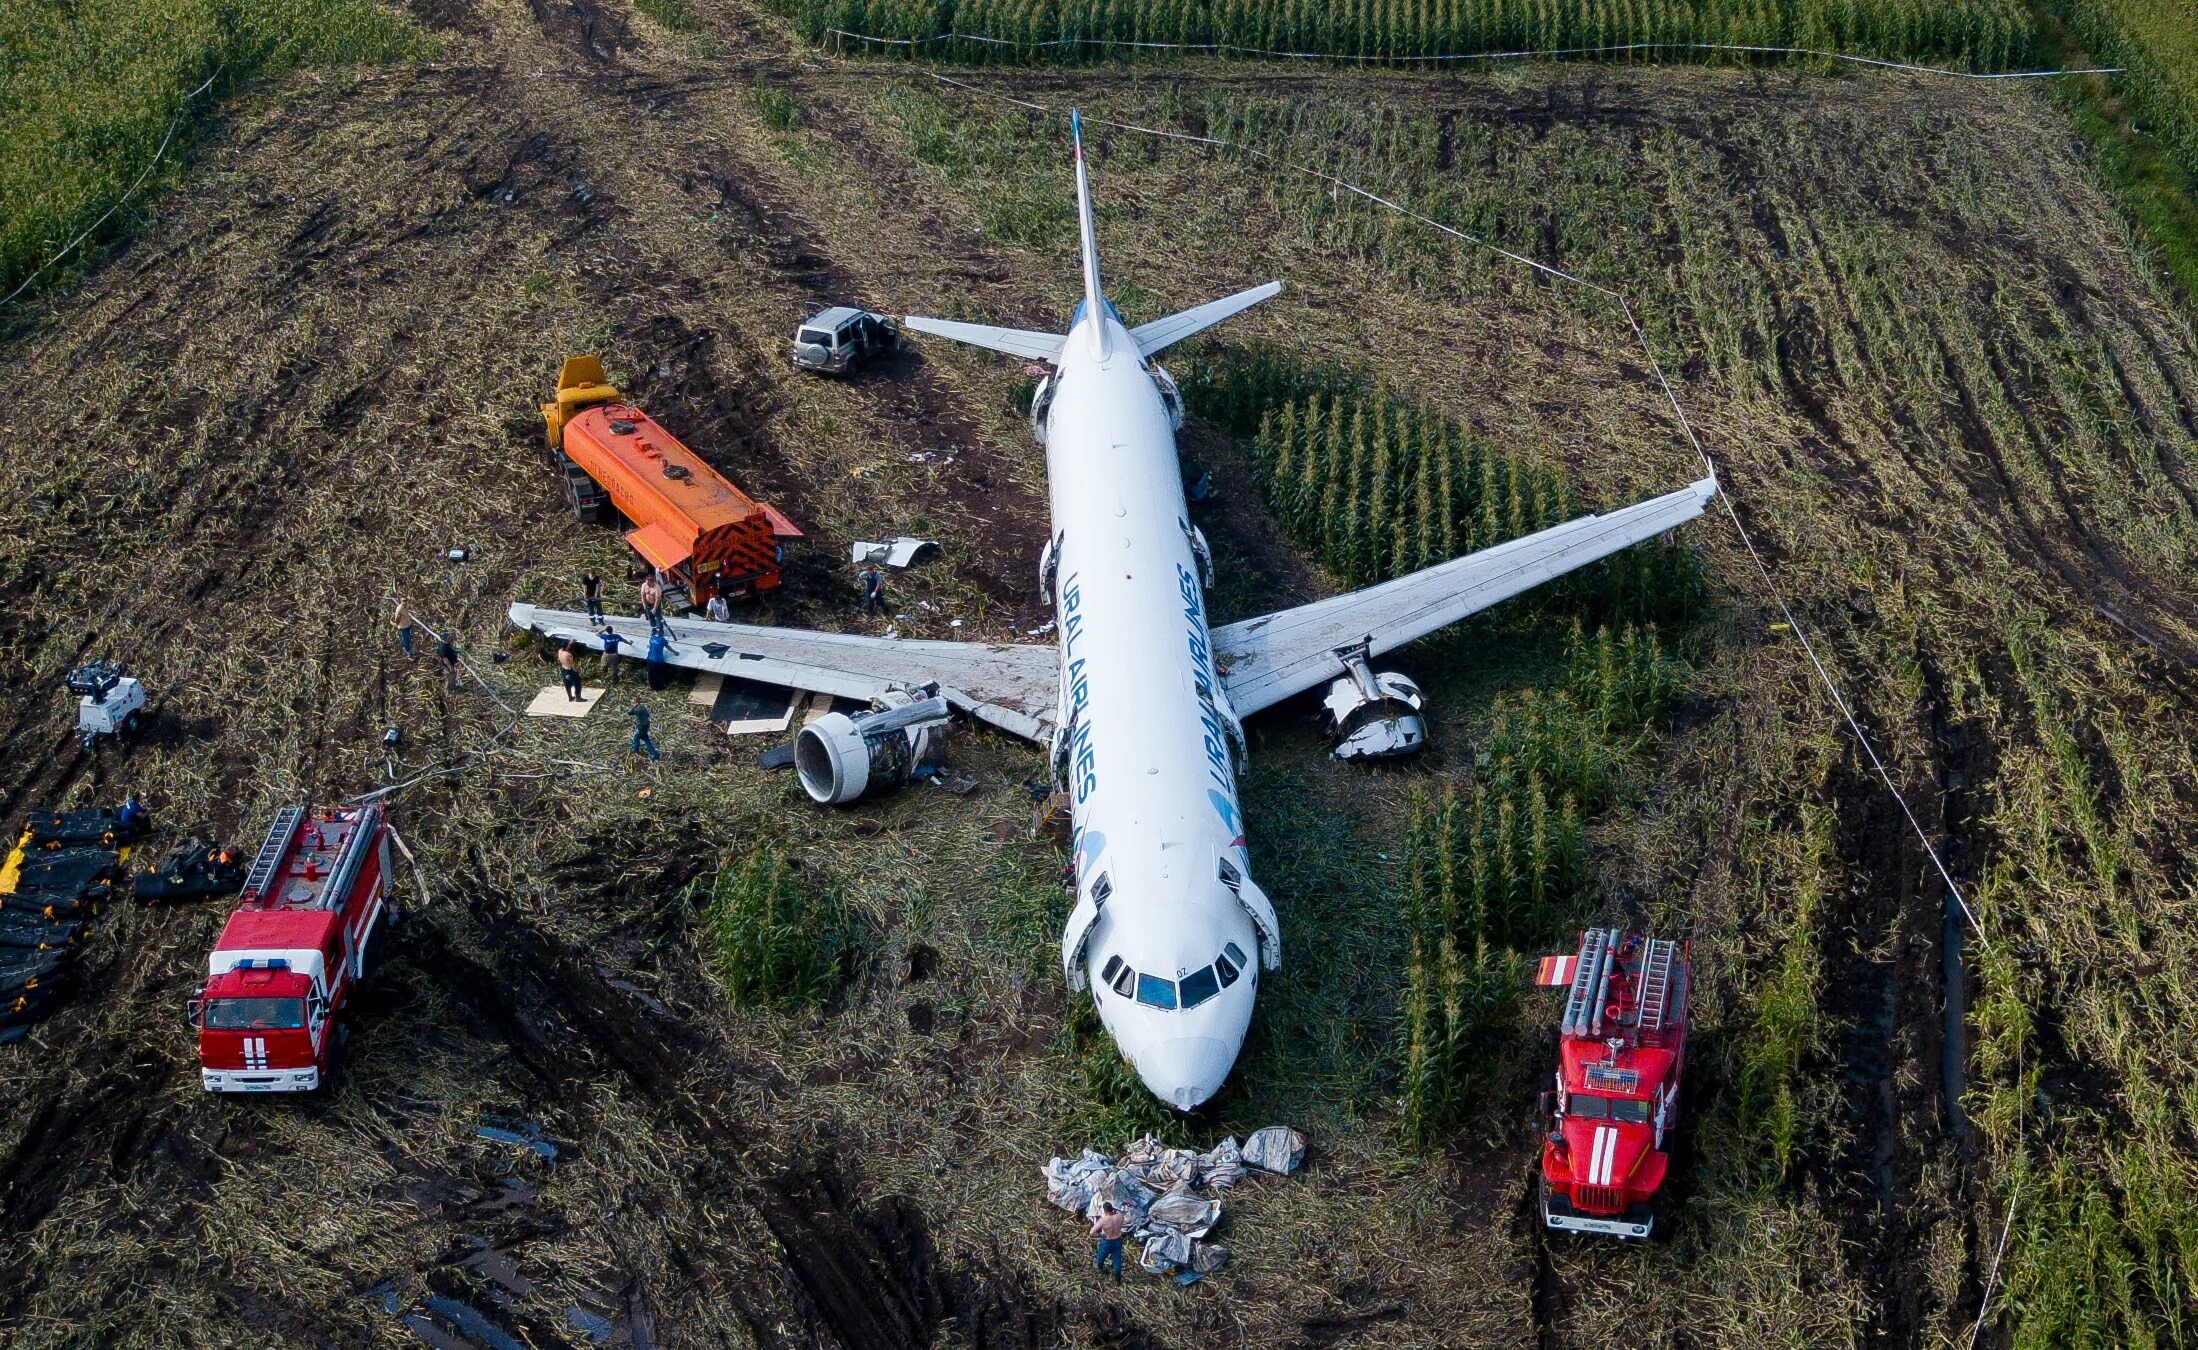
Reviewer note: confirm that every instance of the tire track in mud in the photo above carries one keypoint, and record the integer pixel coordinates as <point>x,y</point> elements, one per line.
<point>847,1271</point>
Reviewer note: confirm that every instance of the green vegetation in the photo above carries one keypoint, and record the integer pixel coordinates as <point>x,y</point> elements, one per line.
<point>672,14</point>
<point>772,103</point>
<point>1990,34</point>
<point>88,90</point>
<point>776,936</point>
<point>2156,44</point>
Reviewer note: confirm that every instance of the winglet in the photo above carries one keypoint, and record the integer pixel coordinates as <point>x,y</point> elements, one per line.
<point>1094,304</point>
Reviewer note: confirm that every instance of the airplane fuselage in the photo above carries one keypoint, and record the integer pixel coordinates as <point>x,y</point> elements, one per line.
<point>1148,744</point>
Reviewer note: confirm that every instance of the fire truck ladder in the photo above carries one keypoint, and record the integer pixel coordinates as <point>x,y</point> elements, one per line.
<point>1656,978</point>
<point>1580,1004</point>
<point>346,869</point>
<point>278,840</point>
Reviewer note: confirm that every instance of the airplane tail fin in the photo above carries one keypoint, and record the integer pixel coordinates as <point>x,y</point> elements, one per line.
<point>1149,338</point>
<point>1094,297</point>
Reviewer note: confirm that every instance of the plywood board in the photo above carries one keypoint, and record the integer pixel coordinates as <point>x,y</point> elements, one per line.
<point>553,702</point>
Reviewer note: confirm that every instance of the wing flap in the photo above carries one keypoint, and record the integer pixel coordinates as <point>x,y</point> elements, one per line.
<point>1012,686</point>
<point>1276,656</point>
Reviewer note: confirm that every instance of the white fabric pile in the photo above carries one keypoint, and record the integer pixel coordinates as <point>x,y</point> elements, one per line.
<point>1167,1196</point>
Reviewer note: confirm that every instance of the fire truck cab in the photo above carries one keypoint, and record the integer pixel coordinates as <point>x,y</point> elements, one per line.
<point>1620,1055</point>
<point>293,951</point>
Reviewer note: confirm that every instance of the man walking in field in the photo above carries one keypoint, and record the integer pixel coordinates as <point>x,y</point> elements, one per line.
<point>643,743</point>
<point>569,666</point>
<point>446,651</point>
<point>403,619</point>
<point>1108,1229</point>
<point>873,588</point>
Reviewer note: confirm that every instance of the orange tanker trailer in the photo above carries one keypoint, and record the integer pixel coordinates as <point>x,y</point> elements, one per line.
<point>698,531</point>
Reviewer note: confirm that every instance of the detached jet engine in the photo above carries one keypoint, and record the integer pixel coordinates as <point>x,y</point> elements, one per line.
<point>841,758</point>
<point>1373,715</point>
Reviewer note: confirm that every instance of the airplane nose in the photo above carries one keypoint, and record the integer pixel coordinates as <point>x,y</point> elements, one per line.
<point>1186,1070</point>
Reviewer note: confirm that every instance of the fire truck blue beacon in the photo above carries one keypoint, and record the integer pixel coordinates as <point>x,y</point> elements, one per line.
<point>1141,701</point>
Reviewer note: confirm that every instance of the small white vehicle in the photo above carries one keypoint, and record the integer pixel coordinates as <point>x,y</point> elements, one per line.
<point>836,340</point>
<point>108,703</point>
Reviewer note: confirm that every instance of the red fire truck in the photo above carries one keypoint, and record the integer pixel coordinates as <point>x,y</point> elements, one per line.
<point>293,951</point>
<point>1620,1051</point>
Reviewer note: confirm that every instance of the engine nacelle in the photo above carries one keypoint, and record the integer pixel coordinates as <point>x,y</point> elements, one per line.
<point>841,759</point>
<point>1374,715</point>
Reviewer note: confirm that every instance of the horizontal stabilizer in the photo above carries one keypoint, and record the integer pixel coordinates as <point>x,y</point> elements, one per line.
<point>1014,341</point>
<point>1152,337</point>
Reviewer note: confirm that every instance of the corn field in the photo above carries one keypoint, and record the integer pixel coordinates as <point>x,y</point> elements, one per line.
<point>1375,487</point>
<point>776,937</point>
<point>2156,43</point>
<point>1497,870</point>
<point>1989,34</point>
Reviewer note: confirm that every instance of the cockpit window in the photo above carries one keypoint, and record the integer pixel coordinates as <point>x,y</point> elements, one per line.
<point>1123,980</point>
<point>1226,969</point>
<point>1113,968</point>
<point>1154,992</point>
<point>1198,986</point>
<point>1235,954</point>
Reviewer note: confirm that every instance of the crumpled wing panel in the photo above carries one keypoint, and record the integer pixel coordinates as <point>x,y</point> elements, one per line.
<point>1011,686</point>
<point>1275,656</point>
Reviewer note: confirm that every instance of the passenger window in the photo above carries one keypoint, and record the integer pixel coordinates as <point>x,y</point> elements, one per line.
<point>1629,1111</point>
<point>1124,981</point>
<point>1154,992</point>
<point>1198,986</point>
<point>1226,971</point>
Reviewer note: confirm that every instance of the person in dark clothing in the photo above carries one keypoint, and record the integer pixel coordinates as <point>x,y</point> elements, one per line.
<point>569,665</point>
<point>643,743</point>
<point>591,588</point>
<point>873,588</point>
<point>446,651</point>
<point>1108,1229</point>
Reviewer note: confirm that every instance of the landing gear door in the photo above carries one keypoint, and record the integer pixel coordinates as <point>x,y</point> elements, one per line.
<point>1262,911</point>
<point>1076,938</point>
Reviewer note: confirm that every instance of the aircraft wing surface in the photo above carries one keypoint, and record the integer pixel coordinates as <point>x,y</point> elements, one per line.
<point>1012,686</point>
<point>1013,341</point>
<point>1275,656</point>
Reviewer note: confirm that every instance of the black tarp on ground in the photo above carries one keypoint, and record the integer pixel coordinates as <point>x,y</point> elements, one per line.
<point>191,872</point>
<point>22,969</point>
<point>66,871</point>
<point>55,906</point>
<point>36,932</point>
<point>60,829</point>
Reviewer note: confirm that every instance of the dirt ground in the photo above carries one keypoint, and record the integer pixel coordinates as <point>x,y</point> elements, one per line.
<point>232,448</point>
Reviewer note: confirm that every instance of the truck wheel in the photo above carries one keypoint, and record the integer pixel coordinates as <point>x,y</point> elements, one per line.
<point>134,723</point>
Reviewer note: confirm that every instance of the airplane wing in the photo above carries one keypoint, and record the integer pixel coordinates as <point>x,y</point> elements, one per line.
<point>1275,656</point>
<point>1151,337</point>
<point>1012,686</point>
<point>1014,341</point>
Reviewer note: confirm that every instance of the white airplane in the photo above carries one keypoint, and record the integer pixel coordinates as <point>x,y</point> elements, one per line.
<point>1141,701</point>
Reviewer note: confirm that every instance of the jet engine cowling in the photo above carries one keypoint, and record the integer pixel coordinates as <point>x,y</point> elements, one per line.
<point>841,759</point>
<point>1374,714</point>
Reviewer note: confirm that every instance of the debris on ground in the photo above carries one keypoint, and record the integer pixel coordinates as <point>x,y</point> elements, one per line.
<point>899,554</point>
<point>51,885</point>
<point>1169,1196</point>
<point>518,1133</point>
<point>553,701</point>
<point>192,871</point>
